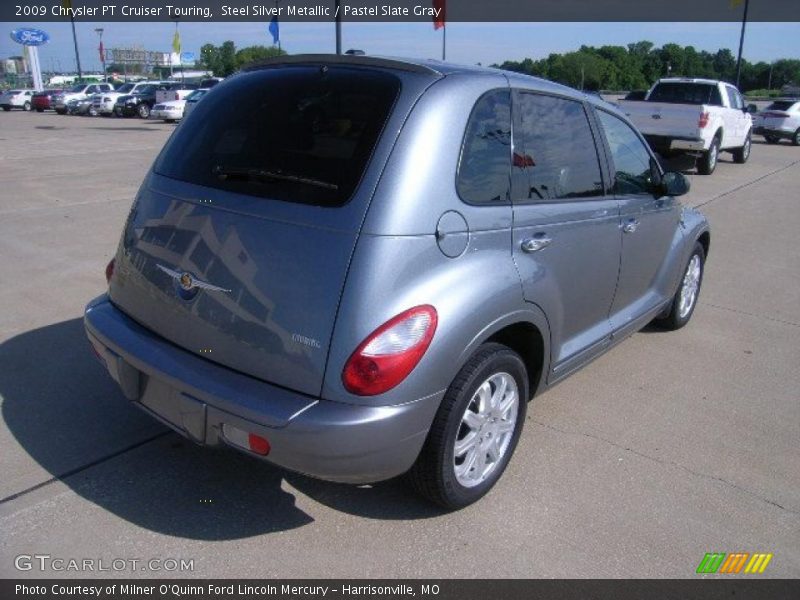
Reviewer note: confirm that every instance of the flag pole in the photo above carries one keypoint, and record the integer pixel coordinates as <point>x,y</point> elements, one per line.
<point>444,42</point>
<point>338,29</point>
<point>741,44</point>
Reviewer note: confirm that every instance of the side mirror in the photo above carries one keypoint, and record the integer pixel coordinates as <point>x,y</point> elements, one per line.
<point>675,184</point>
<point>751,108</point>
<point>655,179</point>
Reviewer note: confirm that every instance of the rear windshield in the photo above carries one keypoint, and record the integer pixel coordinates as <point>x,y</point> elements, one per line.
<point>686,93</point>
<point>782,105</point>
<point>300,134</point>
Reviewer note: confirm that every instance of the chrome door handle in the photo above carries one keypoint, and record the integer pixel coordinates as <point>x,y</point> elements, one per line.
<point>630,226</point>
<point>534,244</point>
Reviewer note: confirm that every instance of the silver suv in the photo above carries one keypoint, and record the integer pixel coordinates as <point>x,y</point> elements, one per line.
<point>358,268</point>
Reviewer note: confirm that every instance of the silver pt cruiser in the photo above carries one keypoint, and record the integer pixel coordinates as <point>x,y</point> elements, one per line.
<point>358,268</point>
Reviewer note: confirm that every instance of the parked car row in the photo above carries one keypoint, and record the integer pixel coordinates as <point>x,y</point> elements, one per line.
<point>128,100</point>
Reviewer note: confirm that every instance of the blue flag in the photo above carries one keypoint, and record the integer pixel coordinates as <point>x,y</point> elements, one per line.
<point>273,29</point>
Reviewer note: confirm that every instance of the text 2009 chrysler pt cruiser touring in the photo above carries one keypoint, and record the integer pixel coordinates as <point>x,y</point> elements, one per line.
<point>359,267</point>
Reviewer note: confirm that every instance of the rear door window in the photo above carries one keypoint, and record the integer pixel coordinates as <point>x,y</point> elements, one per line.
<point>300,134</point>
<point>555,147</point>
<point>484,169</point>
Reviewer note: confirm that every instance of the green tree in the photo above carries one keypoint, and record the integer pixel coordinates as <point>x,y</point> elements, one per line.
<point>227,59</point>
<point>210,59</point>
<point>257,53</point>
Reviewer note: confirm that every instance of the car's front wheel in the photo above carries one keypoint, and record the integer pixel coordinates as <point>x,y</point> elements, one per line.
<point>475,431</point>
<point>26,107</point>
<point>796,138</point>
<point>144,111</point>
<point>685,299</point>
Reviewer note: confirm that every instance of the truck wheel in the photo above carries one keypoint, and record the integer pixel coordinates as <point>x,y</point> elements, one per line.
<point>740,155</point>
<point>92,111</point>
<point>475,430</point>
<point>796,138</point>
<point>685,299</point>
<point>708,162</point>
<point>144,111</point>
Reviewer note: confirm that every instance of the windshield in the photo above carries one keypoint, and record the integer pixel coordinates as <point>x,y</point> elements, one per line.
<point>78,88</point>
<point>148,89</point>
<point>125,87</point>
<point>299,134</point>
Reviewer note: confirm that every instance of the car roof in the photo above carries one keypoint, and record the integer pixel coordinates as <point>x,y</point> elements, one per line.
<point>432,67</point>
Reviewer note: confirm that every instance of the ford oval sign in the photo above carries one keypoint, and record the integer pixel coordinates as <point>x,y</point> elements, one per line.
<point>30,37</point>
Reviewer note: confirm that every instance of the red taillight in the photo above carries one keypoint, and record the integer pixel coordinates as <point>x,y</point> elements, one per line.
<point>109,270</point>
<point>390,352</point>
<point>704,118</point>
<point>246,440</point>
<point>258,444</point>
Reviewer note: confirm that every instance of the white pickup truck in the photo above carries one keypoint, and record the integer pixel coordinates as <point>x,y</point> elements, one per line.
<point>701,117</point>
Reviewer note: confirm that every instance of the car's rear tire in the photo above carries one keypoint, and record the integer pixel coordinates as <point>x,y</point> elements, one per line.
<point>143,111</point>
<point>475,431</point>
<point>6,108</point>
<point>93,111</point>
<point>26,107</point>
<point>771,139</point>
<point>796,138</point>
<point>685,300</point>
<point>708,162</point>
<point>740,155</point>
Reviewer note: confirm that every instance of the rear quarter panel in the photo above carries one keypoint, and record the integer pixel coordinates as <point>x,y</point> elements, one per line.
<point>398,264</point>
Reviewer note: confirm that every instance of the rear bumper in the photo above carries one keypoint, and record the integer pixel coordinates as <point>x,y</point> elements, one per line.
<point>665,144</point>
<point>172,115</point>
<point>195,397</point>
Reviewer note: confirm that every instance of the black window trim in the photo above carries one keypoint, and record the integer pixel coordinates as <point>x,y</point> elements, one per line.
<point>600,148</point>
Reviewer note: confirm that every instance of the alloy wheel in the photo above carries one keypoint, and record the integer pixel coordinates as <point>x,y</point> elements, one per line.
<point>691,283</point>
<point>487,427</point>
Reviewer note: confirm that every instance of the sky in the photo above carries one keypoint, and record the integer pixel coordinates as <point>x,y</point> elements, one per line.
<point>467,43</point>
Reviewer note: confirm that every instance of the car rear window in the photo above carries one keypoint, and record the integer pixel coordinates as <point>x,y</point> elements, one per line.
<point>299,134</point>
<point>686,93</point>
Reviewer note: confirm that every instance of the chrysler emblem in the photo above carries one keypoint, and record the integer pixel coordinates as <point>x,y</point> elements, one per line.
<point>189,283</point>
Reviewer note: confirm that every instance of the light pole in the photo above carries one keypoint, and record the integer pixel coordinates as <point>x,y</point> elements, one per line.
<point>102,50</point>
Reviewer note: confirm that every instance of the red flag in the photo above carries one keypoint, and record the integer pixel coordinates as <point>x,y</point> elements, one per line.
<point>439,5</point>
<point>102,51</point>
